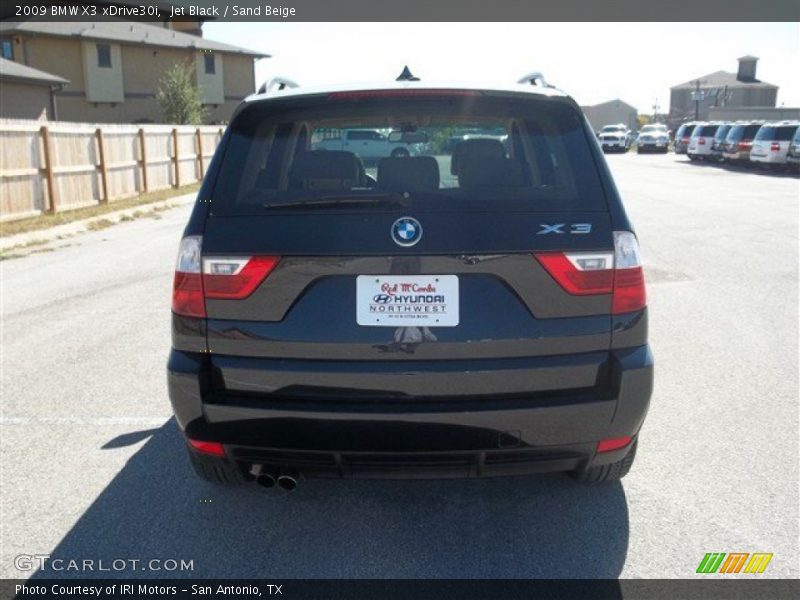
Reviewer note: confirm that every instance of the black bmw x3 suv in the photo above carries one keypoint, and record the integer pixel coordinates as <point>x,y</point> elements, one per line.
<point>463,310</point>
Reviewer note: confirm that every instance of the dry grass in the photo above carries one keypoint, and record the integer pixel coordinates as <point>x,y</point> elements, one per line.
<point>46,221</point>
<point>99,224</point>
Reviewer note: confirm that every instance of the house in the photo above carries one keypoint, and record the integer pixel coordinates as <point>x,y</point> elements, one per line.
<point>113,68</point>
<point>28,93</point>
<point>693,99</point>
<point>611,113</point>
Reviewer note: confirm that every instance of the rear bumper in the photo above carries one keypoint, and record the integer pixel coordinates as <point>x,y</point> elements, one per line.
<point>407,438</point>
<point>740,155</point>
<point>653,147</point>
<point>774,158</point>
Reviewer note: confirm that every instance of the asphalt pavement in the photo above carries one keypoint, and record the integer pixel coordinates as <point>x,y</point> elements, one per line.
<point>93,466</point>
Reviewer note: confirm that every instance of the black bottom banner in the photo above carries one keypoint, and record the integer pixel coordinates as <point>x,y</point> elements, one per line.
<point>391,589</point>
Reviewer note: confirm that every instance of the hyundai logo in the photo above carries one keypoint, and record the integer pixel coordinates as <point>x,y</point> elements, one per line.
<point>381,299</point>
<point>406,231</point>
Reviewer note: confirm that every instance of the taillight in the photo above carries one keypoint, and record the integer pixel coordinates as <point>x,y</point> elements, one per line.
<point>592,273</point>
<point>744,145</point>
<point>212,448</point>
<point>187,289</point>
<point>701,141</point>
<point>610,444</point>
<point>215,277</point>
<point>235,278</point>
<point>685,140</point>
<point>580,273</point>
<point>775,147</point>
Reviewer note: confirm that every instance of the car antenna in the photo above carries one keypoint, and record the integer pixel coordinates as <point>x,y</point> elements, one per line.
<point>406,75</point>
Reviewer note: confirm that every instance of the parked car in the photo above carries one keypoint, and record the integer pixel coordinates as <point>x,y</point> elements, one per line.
<point>615,138</point>
<point>369,144</point>
<point>326,322</point>
<point>793,156</point>
<point>717,144</point>
<point>463,134</point>
<point>701,140</point>
<point>682,137</point>
<point>653,138</point>
<point>736,148</point>
<point>771,144</point>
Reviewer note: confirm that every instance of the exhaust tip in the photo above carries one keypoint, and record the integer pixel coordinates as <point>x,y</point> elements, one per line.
<point>264,476</point>
<point>287,484</point>
<point>288,481</point>
<point>266,481</point>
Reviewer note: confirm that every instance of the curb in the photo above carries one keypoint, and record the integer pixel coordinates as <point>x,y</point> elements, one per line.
<point>43,236</point>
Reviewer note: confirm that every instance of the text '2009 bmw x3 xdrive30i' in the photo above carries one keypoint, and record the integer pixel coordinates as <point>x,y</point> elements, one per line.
<point>473,310</point>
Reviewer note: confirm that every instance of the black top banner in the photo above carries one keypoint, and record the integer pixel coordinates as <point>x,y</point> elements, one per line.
<point>407,10</point>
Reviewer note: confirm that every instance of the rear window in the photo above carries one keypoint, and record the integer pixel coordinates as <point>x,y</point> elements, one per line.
<point>742,132</point>
<point>705,130</point>
<point>722,132</point>
<point>783,133</point>
<point>450,152</point>
<point>685,131</point>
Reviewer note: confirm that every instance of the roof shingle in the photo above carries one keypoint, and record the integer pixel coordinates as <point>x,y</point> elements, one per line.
<point>10,70</point>
<point>124,32</point>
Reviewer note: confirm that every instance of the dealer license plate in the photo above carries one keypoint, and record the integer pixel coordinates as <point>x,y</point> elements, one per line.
<point>407,301</point>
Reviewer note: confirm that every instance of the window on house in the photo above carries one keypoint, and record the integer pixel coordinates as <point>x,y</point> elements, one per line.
<point>211,67</point>
<point>7,48</point>
<point>104,56</point>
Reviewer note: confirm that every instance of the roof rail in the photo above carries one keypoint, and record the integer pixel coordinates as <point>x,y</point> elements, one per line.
<point>535,78</point>
<point>277,84</point>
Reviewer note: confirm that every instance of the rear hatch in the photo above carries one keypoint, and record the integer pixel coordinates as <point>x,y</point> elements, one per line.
<point>491,255</point>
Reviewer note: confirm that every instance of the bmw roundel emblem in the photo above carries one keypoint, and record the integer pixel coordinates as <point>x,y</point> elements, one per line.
<point>406,231</point>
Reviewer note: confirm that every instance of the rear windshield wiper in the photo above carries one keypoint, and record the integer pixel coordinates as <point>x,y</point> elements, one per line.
<point>388,198</point>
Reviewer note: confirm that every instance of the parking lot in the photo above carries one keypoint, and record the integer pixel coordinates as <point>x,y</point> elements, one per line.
<point>93,466</point>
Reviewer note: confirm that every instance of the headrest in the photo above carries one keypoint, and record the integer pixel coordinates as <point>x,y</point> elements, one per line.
<point>326,169</point>
<point>408,174</point>
<point>477,149</point>
<point>494,172</point>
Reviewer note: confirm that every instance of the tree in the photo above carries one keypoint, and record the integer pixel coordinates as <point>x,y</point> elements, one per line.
<point>179,97</point>
<point>642,120</point>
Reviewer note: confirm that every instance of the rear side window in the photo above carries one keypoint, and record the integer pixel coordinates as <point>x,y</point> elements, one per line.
<point>367,135</point>
<point>454,152</point>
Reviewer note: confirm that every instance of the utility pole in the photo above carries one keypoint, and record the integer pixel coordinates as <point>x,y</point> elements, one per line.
<point>698,96</point>
<point>655,110</point>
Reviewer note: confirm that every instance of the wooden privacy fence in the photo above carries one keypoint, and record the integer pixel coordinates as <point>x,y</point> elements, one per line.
<point>53,167</point>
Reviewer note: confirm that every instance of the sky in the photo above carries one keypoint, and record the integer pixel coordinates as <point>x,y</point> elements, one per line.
<point>593,62</point>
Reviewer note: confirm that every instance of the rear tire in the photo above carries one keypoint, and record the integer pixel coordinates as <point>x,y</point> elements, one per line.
<point>611,472</point>
<point>216,470</point>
